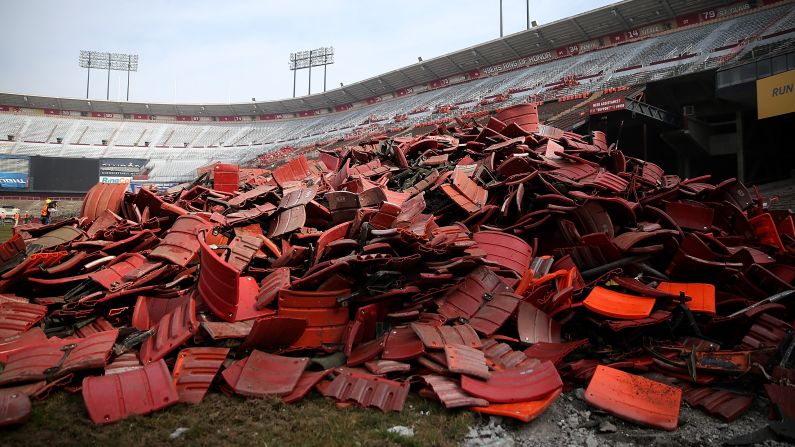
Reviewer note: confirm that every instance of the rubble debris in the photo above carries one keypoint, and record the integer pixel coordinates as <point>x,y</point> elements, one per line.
<point>486,267</point>
<point>401,430</point>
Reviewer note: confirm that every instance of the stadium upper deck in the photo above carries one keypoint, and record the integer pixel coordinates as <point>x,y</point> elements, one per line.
<point>606,27</point>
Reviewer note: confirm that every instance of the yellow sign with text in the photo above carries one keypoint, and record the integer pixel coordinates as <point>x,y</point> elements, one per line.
<point>775,95</point>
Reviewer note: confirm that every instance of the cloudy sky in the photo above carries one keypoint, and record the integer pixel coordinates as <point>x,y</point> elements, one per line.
<point>231,51</point>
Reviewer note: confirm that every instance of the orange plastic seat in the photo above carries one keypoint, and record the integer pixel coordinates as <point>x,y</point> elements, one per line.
<point>702,296</point>
<point>634,398</point>
<point>524,411</point>
<point>618,305</point>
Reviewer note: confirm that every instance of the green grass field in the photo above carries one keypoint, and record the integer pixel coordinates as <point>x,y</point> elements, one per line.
<point>5,232</point>
<point>61,420</point>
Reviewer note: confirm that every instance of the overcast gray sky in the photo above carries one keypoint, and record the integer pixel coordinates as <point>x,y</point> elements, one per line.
<point>222,51</point>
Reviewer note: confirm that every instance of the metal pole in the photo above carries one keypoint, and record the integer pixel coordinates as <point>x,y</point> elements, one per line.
<point>310,74</point>
<point>741,149</point>
<point>500,18</point>
<point>107,95</point>
<point>88,77</point>
<point>645,143</point>
<point>324,77</point>
<point>128,77</point>
<point>528,14</point>
<point>294,73</point>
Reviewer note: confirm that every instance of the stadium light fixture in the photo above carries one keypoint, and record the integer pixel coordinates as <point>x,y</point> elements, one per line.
<point>323,56</point>
<point>108,61</point>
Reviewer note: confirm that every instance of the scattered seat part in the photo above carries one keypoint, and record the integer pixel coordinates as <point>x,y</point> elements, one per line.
<point>195,370</point>
<point>115,397</point>
<point>634,398</point>
<point>618,305</point>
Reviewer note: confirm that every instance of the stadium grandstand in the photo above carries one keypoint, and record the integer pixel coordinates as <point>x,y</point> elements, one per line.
<point>675,79</point>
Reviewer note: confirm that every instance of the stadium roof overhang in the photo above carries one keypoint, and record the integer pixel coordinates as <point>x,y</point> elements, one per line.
<point>620,16</point>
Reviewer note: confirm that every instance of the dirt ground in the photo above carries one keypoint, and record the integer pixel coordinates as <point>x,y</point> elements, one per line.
<point>572,422</point>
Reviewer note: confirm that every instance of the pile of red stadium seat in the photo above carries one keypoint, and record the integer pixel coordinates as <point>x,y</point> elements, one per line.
<point>488,267</point>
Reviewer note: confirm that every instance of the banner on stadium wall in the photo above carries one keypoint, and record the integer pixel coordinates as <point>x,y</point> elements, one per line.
<point>519,63</point>
<point>121,167</point>
<point>724,11</point>
<point>608,105</point>
<point>439,83</point>
<point>637,33</point>
<point>161,186</point>
<point>775,95</point>
<point>103,115</point>
<point>420,88</point>
<point>113,179</point>
<point>686,20</point>
<point>13,180</point>
<point>61,112</point>
<point>457,79</point>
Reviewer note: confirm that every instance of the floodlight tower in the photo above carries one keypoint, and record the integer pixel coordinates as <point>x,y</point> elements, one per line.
<point>321,56</point>
<point>108,61</point>
<point>307,59</point>
<point>298,61</point>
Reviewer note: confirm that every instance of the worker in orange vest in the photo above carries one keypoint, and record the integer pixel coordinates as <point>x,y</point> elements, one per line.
<point>3,217</point>
<point>16,218</point>
<point>45,214</point>
<point>26,218</point>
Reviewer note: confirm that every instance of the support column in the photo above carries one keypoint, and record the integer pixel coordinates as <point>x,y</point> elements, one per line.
<point>741,147</point>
